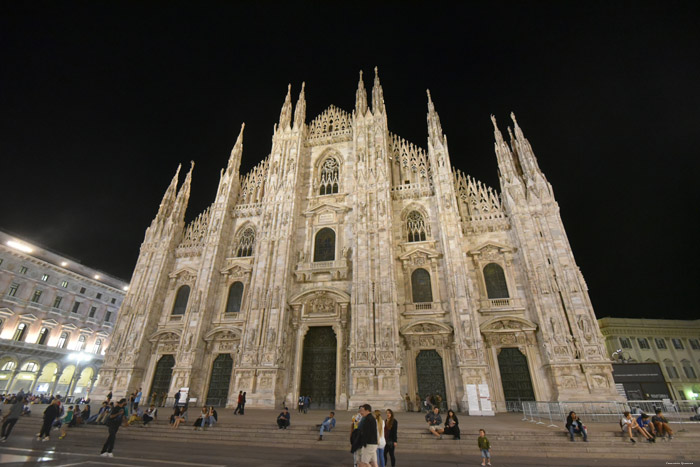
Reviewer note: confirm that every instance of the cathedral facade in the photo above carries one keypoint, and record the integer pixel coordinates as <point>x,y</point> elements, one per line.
<point>353,266</point>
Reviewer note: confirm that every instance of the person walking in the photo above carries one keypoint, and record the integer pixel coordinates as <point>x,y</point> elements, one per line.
<point>50,414</point>
<point>485,447</point>
<point>67,421</point>
<point>391,429</point>
<point>239,403</point>
<point>177,398</point>
<point>243,401</point>
<point>300,404</point>
<point>365,439</point>
<point>114,421</point>
<point>9,420</point>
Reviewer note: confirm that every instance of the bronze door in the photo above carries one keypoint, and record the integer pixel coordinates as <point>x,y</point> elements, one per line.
<point>162,375</point>
<point>318,367</point>
<point>220,379</point>
<point>430,376</point>
<point>515,375</point>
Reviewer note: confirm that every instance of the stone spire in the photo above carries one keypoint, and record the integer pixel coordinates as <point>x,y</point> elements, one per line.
<point>286,112</point>
<point>234,161</point>
<point>183,197</point>
<point>377,95</point>
<point>525,154</point>
<point>434,128</point>
<point>361,97</point>
<point>506,164</point>
<point>300,109</point>
<point>169,197</point>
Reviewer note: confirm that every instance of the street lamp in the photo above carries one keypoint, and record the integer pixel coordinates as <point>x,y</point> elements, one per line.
<point>78,358</point>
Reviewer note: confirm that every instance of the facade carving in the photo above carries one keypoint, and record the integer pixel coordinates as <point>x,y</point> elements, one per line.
<point>349,227</point>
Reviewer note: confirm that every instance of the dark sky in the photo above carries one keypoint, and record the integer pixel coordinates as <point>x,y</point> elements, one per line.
<point>99,102</point>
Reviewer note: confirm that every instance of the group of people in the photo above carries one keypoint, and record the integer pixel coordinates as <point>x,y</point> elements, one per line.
<point>649,429</point>
<point>303,404</point>
<point>373,440</point>
<point>426,403</point>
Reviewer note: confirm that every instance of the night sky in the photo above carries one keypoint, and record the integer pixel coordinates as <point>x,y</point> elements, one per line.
<point>100,101</point>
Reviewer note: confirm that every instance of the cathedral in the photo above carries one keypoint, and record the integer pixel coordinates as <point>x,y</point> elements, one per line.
<point>355,267</point>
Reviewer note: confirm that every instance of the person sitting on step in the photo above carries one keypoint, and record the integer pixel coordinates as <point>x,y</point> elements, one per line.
<point>284,419</point>
<point>434,421</point>
<point>661,425</point>
<point>327,425</point>
<point>575,425</point>
<point>629,425</point>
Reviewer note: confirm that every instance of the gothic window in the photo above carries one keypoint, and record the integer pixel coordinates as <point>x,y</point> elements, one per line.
<point>245,243</point>
<point>420,286</point>
<point>43,335</point>
<point>660,343</point>
<point>329,177</point>
<point>415,224</point>
<point>324,249</point>
<point>62,340</point>
<point>625,343</point>
<point>495,280</point>
<point>97,347</point>
<point>20,332</point>
<point>643,343</point>
<point>183,294</point>
<point>235,297</point>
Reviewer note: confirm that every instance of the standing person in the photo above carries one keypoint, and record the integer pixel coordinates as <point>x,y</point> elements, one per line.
<point>177,398</point>
<point>391,429</point>
<point>409,404</point>
<point>114,421</point>
<point>485,447</point>
<point>109,396</point>
<point>132,397</point>
<point>434,421</point>
<point>575,425</point>
<point>328,424</point>
<point>239,403</point>
<point>307,403</point>
<point>284,419</point>
<point>137,401</point>
<point>661,424</point>
<point>9,420</point>
<point>50,414</point>
<point>163,398</point>
<point>300,404</point>
<point>364,444</point>
<point>451,424</point>
<point>381,441</point>
<point>243,401</point>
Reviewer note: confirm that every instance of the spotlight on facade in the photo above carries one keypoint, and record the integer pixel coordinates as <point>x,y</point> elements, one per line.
<point>64,263</point>
<point>125,288</point>
<point>19,246</point>
<point>79,357</point>
<point>97,276</point>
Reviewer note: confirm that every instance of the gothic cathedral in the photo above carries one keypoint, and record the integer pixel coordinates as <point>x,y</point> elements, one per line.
<point>353,266</point>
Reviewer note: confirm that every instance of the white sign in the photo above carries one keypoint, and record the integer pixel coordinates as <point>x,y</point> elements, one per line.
<point>485,400</point>
<point>473,400</point>
<point>183,396</point>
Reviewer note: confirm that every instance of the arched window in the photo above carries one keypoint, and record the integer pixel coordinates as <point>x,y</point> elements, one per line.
<point>183,294</point>
<point>495,279</point>
<point>688,369</point>
<point>62,340</point>
<point>420,286</point>
<point>97,347</point>
<point>235,297</point>
<point>43,335</point>
<point>324,249</point>
<point>20,332</point>
<point>245,244</point>
<point>415,225</point>
<point>29,366</point>
<point>8,366</point>
<point>329,177</point>
<point>81,343</point>
<point>671,369</point>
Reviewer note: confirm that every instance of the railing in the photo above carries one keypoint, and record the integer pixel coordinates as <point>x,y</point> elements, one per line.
<point>423,306</point>
<point>492,303</point>
<point>554,413</point>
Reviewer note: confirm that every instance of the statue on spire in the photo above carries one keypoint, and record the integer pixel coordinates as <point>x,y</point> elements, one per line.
<point>434,128</point>
<point>286,112</point>
<point>377,94</point>
<point>361,97</point>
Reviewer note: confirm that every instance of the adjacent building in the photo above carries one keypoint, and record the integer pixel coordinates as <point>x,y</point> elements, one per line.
<point>673,344</point>
<point>354,266</point>
<point>56,319</point>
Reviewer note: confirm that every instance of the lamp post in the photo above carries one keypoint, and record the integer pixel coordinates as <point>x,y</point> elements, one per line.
<point>78,358</point>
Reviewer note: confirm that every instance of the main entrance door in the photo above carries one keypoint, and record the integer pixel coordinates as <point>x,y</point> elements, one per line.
<point>162,375</point>
<point>219,381</point>
<point>318,367</point>
<point>515,375</point>
<point>430,375</point>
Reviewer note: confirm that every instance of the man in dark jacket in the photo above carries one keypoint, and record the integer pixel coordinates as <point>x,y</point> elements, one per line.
<point>50,414</point>
<point>364,444</point>
<point>283,419</point>
<point>11,418</point>
<point>113,422</point>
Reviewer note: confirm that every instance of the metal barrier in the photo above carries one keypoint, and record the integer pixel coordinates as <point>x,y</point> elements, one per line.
<point>554,413</point>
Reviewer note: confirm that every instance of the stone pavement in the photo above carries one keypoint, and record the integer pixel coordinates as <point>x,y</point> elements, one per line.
<point>253,439</point>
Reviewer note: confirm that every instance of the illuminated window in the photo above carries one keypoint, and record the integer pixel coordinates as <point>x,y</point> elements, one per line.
<point>36,296</point>
<point>29,366</point>
<point>64,284</point>
<point>13,289</point>
<point>8,366</point>
<point>44,277</point>
<point>62,340</point>
<point>23,269</point>
<point>20,332</point>
<point>81,343</point>
<point>97,347</point>
<point>43,336</point>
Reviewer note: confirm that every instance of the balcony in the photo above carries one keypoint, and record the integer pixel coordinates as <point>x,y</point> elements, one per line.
<point>322,270</point>
<point>427,308</point>
<point>500,304</point>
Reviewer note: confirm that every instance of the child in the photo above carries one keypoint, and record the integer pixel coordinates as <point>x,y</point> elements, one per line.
<point>66,422</point>
<point>485,447</point>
